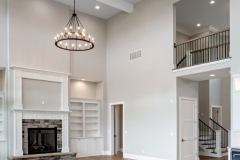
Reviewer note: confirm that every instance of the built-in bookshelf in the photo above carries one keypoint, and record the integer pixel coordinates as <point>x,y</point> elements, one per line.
<point>2,119</point>
<point>84,118</point>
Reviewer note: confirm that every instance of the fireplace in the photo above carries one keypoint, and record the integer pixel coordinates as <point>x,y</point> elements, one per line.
<point>42,140</point>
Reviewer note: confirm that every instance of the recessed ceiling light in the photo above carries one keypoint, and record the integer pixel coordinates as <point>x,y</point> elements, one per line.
<point>97,7</point>
<point>212,2</point>
<point>198,24</point>
<point>212,75</point>
<point>83,79</point>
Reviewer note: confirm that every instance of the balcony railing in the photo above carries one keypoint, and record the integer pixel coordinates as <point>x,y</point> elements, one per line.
<point>210,48</point>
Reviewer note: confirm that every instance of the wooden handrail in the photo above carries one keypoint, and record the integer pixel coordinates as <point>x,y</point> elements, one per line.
<point>202,37</point>
<point>218,125</point>
<point>207,126</point>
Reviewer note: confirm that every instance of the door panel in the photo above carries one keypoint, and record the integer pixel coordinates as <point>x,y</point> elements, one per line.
<point>188,124</point>
<point>116,129</point>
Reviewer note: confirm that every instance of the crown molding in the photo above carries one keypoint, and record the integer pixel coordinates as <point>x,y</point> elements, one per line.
<point>200,30</point>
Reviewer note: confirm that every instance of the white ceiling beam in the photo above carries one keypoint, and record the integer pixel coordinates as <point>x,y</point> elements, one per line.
<point>119,4</point>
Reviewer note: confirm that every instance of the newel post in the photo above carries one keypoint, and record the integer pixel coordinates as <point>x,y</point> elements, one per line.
<point>218,143</point>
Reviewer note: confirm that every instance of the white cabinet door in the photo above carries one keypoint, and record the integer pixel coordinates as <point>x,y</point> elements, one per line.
<point>82,147</point>
<point>98,145</point>
<point>90,146</point>
<point>2,151</point>
<point>236,111</point>
<point>73,145</point>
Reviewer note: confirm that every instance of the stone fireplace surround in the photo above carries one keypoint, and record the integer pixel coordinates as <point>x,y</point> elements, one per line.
<point>20,114</point>
<point>40,123</point>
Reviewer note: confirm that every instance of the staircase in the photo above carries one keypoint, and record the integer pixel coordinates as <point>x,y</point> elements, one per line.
<point>213,142</point>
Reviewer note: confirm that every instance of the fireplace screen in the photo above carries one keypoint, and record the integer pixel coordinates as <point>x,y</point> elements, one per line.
<point>42,140</point>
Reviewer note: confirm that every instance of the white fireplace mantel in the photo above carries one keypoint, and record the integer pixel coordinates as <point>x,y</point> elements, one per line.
<point>20,114</point>
<point>20,72</point>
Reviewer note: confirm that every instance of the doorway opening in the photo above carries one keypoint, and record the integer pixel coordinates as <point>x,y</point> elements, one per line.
<point>116,111</point>
<point>213,100</point>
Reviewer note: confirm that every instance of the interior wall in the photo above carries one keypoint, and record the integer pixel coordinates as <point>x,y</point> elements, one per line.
<point>220,95</point>
<point>1,81</point>
<point>35,23</point>
<point>204,101</point>
<point>83,89</point>
<point>187,88</point>
<point>3,33</point>
<point>91,65</point>
<point>145,85</point>
<point>181,38</point>
<point>44,95</point>
<point>205,33</point>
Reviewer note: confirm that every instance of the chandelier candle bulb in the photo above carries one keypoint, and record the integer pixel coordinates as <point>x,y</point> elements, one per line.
<point>75,34</point>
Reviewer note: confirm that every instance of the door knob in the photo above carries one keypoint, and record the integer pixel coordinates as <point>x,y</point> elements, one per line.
<point>183,140</point>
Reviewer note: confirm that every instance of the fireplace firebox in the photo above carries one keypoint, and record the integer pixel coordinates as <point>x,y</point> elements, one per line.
<point>42,140</point>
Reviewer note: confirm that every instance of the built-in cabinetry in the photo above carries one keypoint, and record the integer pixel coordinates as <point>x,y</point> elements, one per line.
<point>236,102</point>
<point>85,131</point>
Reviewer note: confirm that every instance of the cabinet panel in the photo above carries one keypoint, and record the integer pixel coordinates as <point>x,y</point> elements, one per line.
<point>236,111</point>
<point>90,146</point>
<point>98,145</point>
<point>2,151</point>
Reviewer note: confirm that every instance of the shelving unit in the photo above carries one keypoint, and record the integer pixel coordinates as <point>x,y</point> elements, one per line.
<point>2,118</point>
<point>84,118</point>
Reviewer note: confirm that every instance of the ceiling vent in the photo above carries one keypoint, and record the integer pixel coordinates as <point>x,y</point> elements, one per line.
<point>135,55</point>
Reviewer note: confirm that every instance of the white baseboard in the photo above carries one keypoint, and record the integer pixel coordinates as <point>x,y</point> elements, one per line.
<point>120,149</point>
<point>137,157</point>
<point>106,153</point>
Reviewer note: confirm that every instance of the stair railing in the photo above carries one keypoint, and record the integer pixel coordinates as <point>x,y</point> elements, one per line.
<point>210,48</point>
<point>207,135</point>
<point>224,133</point>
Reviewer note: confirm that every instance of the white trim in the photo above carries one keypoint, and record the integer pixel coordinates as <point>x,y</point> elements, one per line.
<point>179,124</point>
<point>111,126</point>
<point>39,70</point>
<point>215,106</point>
<point>107,153</point>
<point>35,110</point>
<point>181,30</point>
<point>19,73</point>
<point>138,157</point>
<point>200,30</point>
<point>19,115</point>
<point>202,65</point>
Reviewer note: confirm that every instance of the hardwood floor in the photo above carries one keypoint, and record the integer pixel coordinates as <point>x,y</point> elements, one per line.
<point>119,156</point>
<point>211,158</point>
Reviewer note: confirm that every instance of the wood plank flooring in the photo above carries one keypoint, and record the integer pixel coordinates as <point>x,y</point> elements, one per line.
<point>211,158</point>
<point>119,156</point>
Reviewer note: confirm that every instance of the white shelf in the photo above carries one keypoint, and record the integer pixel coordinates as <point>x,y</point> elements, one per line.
<point>76,129</point>
<point>91,129</point>
<point>76,122</point>
<point>90,114</point>
<point>76,109</point>
<point>91,122</point>
<point>76,116</point>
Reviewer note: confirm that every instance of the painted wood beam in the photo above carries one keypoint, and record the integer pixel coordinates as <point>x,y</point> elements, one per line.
<point>119,4</point>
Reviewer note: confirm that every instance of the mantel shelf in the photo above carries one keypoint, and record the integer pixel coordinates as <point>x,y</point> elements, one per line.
<point>36,110</point>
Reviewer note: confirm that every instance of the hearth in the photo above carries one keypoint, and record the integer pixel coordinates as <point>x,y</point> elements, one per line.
<point>42,140</point>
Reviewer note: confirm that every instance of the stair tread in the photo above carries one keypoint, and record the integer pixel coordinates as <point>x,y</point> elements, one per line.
<point>208,143</point>
<point>214,152</point>
<point>210,148</point>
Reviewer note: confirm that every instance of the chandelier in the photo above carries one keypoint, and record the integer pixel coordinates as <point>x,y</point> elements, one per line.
<point>74,37</point>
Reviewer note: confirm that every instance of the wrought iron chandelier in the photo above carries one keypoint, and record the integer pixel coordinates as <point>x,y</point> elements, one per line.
<point>74,37</point>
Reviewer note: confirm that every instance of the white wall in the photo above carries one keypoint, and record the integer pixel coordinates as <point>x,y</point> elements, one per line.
<point>3,33</point>
<point>147,84</point>
<point>204,101</point>
<point>82,89</point>
<point>91,65</point>
<point>220,95</point>
<point>33,24</point>
<point>34,92</point>
<point>187,88</point>
<point>181,38</point>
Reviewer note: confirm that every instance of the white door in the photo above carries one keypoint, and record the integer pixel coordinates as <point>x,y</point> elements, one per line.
<point>188,129</point>
<point>116,129</point>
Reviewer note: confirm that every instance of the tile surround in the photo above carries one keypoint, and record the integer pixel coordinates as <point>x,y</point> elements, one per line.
<point>40,123</point>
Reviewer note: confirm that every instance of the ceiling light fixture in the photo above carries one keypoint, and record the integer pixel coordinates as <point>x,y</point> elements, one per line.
<point>198,24</point>
<point>212,2</point>
<point>97,7</point>
<point>75,35</point>
<point>212,75</point>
